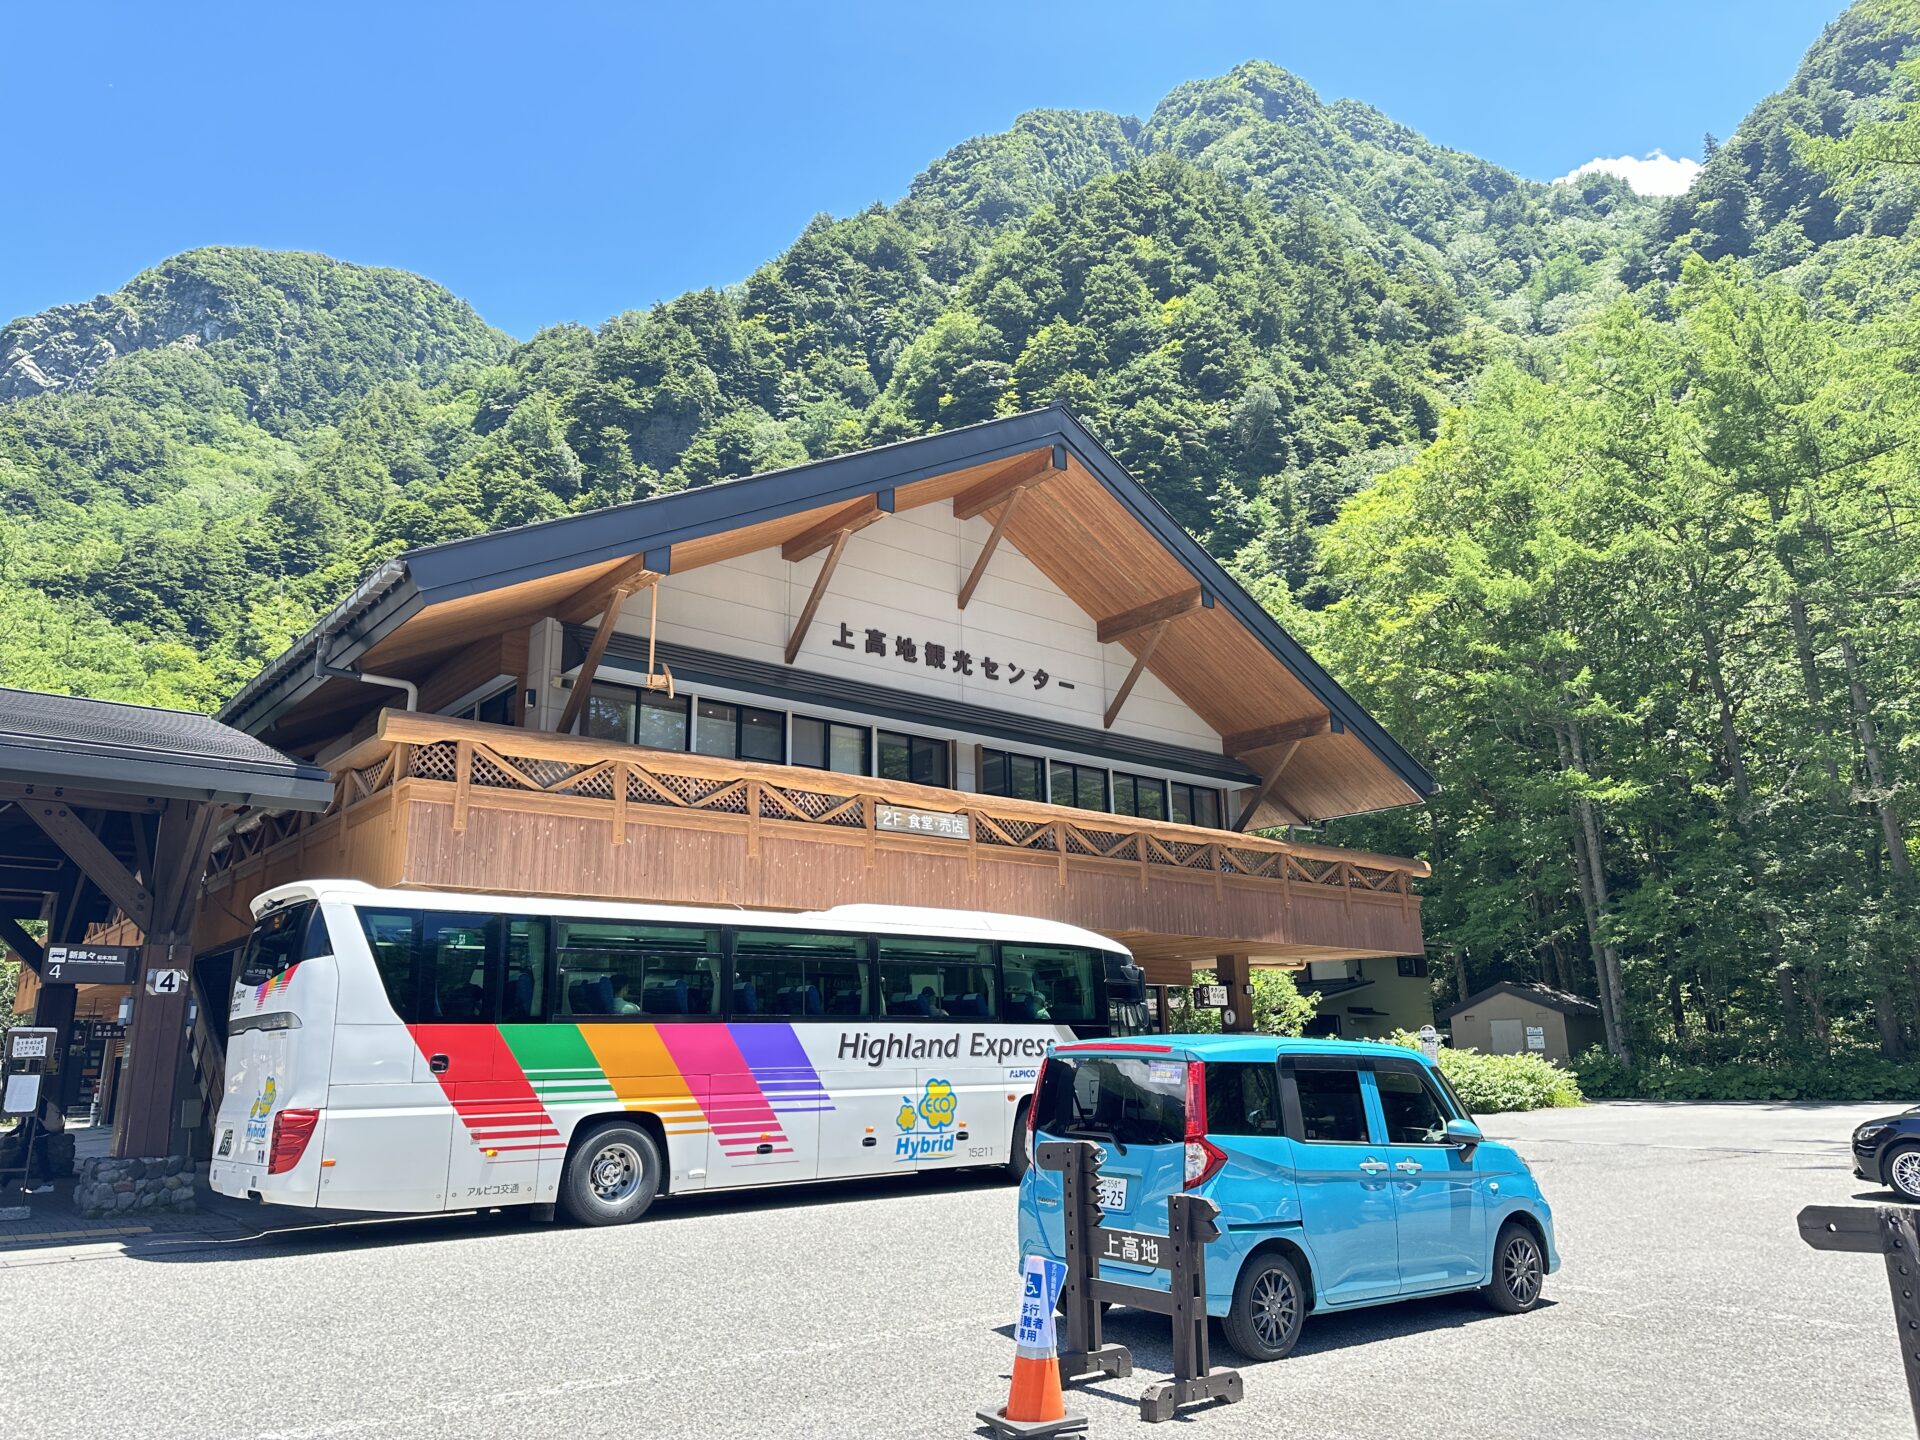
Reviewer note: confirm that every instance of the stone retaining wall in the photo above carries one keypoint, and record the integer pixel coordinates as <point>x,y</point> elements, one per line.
<point>133,1187</point>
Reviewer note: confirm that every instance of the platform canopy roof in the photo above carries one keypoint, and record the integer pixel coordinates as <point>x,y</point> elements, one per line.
<point>85,786</point>
<point>1087,524</point>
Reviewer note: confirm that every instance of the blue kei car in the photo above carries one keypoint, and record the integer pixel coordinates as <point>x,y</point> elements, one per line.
<point>1347,1174</point>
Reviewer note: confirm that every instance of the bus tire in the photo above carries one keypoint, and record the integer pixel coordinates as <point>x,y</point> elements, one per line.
<point>611,1175</point>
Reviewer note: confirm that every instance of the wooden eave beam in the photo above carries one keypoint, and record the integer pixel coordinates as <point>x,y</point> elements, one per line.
<point>591,599</point>
<point>836,548</point>
<point>842,522</point>
<point>1267,794</point>
<point>99,864</point>
<point>1154,612</point>
<point>1243,741</point>
<point>1017,475</point>
<point>1133,675</point>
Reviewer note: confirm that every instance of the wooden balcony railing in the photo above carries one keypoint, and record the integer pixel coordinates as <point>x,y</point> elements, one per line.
<point>468,764</point>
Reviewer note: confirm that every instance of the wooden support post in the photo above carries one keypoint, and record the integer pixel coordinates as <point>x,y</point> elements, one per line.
<point>462,783</point>
<point>620,802</point>
<point>148,1114</point>
<point>1236,973</point>
<point>583,683</point>
<point>993,543</point>
<point>837,549</point>
<point>1266,792</point>
<point>1133,675</point>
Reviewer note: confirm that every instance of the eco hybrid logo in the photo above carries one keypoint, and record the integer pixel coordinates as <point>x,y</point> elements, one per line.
<point>937,1106</point>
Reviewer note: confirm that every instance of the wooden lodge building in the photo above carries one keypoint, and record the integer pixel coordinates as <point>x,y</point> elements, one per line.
<point>980,670</point>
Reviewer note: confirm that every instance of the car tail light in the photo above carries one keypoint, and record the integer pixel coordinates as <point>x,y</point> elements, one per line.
<point>1033,1110</point>
<point>292,1129</point>
<point>1204,1158</point>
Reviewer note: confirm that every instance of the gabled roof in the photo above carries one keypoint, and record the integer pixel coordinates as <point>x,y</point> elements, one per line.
<point>1093,529</point>
<point>1539,994</point>
<point>104,746</point>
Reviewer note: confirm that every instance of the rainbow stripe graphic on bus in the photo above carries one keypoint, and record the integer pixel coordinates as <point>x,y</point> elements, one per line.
<point>735,1081</point>
<point>266,989</point>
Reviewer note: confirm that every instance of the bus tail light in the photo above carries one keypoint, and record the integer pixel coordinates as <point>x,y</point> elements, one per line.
<point>292,1130</point>
<point>1204,1158</point>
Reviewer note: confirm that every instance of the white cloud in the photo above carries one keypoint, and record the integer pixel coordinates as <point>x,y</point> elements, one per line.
<point>1656,173</point>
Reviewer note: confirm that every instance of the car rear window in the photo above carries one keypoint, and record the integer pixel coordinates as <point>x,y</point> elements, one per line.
<point>1128,1100</point>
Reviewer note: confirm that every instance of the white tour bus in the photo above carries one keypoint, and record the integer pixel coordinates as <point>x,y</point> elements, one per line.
<point>403,1050</point>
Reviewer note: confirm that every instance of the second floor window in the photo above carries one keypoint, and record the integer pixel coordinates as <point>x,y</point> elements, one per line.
<point>1140,795</point>
<point>830,745</point>
<point>740,732</point>
<point>1019,777</point>
<point>918,758</point>
<point>1082,786</point>
<point>1194,805</point>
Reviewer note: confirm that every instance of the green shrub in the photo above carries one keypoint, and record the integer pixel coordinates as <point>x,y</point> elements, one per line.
<point>1492,1083</point>
<point>1851,1077</point>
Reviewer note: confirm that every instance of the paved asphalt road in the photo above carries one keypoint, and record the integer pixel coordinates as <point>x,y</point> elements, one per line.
<point>1686,1306</point>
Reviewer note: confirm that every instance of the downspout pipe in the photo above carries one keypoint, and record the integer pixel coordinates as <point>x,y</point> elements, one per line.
<point>325,671</point>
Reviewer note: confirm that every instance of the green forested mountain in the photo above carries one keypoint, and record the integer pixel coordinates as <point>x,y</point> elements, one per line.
<point>1606,505</point>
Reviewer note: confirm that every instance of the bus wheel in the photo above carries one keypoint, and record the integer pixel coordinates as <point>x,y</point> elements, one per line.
<point>611,1176</point>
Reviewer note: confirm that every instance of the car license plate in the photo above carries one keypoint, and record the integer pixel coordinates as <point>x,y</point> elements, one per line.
<point>1111,1194</point>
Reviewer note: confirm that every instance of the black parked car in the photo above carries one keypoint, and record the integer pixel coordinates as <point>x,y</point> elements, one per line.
<point>1887,1152</point>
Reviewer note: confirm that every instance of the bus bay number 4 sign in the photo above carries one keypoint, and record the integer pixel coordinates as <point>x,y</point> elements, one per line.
<point>166,982</point>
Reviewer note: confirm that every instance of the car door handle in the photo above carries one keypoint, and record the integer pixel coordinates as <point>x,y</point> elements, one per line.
<point>1408,1167</point>
<point>1372,1166</point>
<point>437,1064</point>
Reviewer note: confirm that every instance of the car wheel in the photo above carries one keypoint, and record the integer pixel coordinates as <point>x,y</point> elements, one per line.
<point>1519,1267</point>
<point>611,1176</point>
<point>1269,1307</point>
<point>1902,1169</point>
<point>1019,1160</point>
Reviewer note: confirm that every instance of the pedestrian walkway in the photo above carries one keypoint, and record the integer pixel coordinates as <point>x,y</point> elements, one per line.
<point>52,1219</point>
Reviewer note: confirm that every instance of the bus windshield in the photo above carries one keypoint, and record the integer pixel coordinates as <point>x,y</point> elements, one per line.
<point>282,938</point>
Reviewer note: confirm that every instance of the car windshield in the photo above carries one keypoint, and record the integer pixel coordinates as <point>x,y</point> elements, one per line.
<point>1126,1100</point>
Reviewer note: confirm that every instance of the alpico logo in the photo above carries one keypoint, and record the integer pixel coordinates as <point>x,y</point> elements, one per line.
<point>937,1106</point>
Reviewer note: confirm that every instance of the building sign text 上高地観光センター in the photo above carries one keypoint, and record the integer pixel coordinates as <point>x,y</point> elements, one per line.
<point>933,655</point>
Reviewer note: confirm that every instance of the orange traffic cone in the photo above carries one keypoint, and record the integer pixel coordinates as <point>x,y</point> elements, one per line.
<point>1035,1405</point>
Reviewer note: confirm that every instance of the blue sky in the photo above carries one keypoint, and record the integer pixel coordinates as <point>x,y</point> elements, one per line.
<point>558,161</point>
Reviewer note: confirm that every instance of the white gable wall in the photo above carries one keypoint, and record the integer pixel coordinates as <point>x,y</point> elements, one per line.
<point>901,576</point>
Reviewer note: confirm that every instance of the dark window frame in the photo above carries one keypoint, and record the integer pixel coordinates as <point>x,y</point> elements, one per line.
<point>830,725</point>
<point>1194,792</point>
<point>1131,782</point>
<point>556,988</point>
<point>1296,1125</point>
<point>1042,792</point>
<point>915,739</point>
<point>1076,770</point>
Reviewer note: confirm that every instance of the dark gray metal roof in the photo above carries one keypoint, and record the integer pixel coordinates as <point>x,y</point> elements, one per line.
<point>103,745</point>
<point>438,573</point>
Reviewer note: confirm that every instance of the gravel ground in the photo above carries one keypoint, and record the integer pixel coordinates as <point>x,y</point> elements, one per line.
<point>1687,1305</point>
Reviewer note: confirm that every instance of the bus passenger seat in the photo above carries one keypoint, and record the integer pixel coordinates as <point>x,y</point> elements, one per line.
<point>665,999</point>
<point>973,1004</point>
<point>745,1000</point>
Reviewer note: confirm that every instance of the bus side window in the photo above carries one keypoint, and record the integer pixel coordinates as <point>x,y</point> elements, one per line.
<point>798,973</point>
<point>622,967</point>
<point>390,936</point>
<point>1054,983</point>
<point>523,998</point>
<point>939,979</point>
<point>453,949</point>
